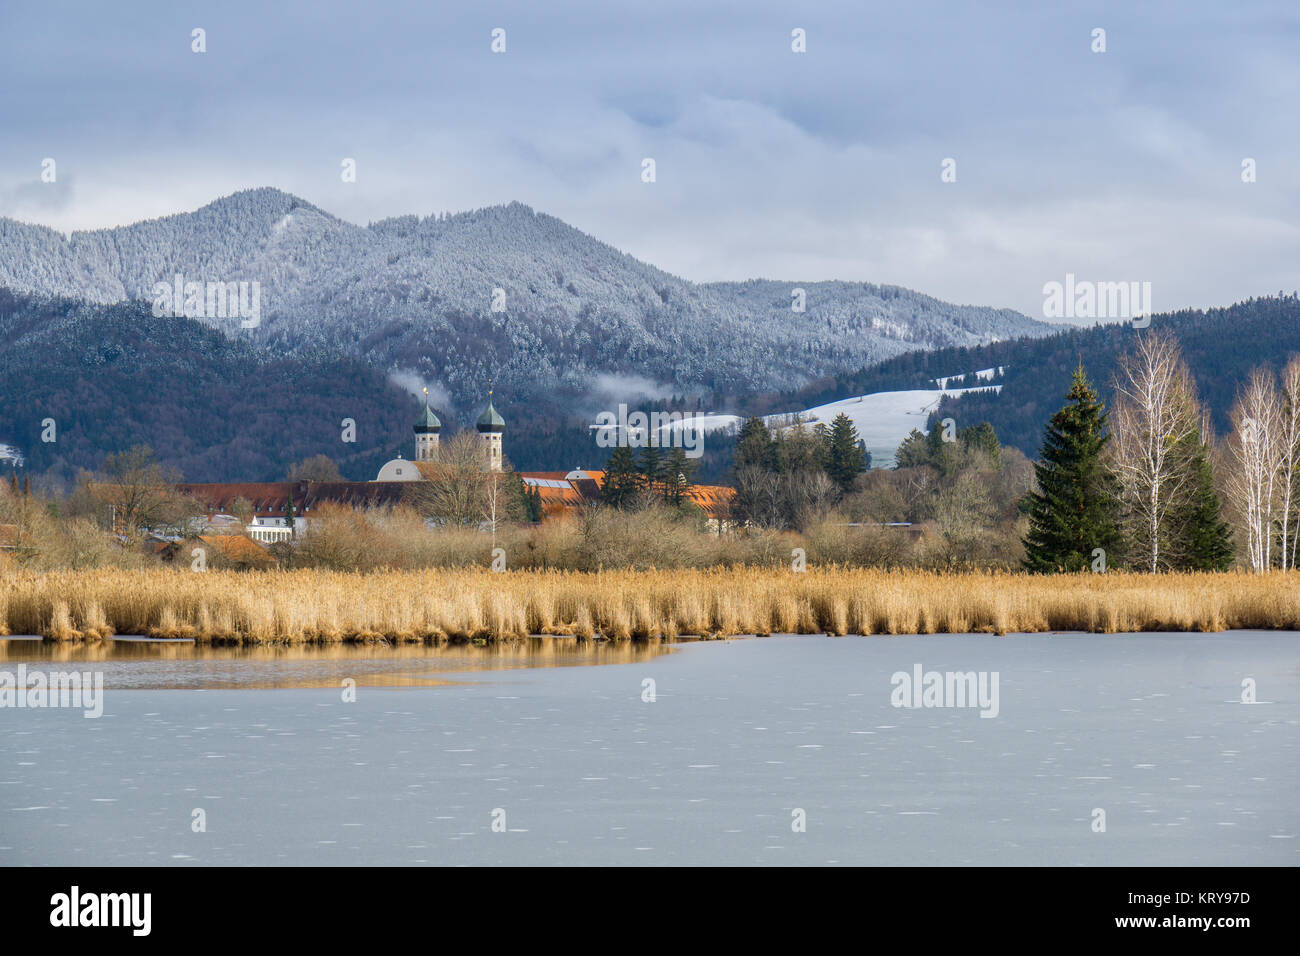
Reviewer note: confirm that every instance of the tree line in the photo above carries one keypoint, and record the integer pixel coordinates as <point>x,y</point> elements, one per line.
<point>787,476</point>
<point>650,476</point>
<point>1146,485</point>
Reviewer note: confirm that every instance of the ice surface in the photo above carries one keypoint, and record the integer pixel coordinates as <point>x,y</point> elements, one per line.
<point>740,735</point>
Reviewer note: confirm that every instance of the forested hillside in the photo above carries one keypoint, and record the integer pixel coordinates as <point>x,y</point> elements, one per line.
<point>1221,347</point>
<point>115,376</point>
<point>219,409</point>
<point>417,294</point>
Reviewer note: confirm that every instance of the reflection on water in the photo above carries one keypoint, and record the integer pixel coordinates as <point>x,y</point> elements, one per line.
<point>161,665</point>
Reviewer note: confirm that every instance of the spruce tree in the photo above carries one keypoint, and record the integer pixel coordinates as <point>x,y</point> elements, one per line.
<point>984,439</point>
<point>677,476</point>
<point>1075,507</point>
<point>518,498</point>
<point>753,459</point>
<point>754,446</point>
<point>913,452</point>
<point>651,463</point>
<point>844,457</point>
<point>1207,538</point>
<point>530,502</point>
<point>799,449</point>
<point>935,446</point>
<point>622,480</point>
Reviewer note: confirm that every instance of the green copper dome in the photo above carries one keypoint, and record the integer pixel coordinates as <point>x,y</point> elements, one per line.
<point>427,422</point>
<point>490,421</point>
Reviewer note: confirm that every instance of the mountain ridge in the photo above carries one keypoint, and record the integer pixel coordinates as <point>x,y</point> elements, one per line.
<point>416,294</point>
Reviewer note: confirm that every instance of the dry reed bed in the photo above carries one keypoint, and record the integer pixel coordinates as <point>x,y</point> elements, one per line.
<point>470,604</point>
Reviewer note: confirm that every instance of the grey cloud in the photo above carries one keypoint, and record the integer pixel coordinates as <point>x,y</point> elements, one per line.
<point>813,166</point>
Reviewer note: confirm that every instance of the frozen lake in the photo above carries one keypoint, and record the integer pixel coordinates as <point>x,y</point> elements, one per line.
<point>742,738</point>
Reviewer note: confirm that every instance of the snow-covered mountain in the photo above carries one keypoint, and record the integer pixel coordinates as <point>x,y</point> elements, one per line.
<point>417,295</point>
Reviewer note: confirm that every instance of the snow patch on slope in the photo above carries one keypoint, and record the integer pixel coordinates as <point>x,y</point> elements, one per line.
<point>882,419</point>
<point>983,375</point>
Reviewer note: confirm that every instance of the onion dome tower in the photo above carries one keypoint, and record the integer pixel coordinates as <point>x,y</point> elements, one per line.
<point>490,426</point>
<point>427,428</point>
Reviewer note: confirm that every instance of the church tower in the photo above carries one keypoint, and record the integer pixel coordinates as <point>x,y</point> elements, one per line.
<point>427,428</point>
<point>490,426</point>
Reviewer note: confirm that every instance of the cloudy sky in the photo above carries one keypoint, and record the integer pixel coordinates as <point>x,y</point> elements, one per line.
<point>826,164</point>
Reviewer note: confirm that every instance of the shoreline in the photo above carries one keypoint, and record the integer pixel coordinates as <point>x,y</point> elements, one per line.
<point>478,606</point>
<point>598,640</point>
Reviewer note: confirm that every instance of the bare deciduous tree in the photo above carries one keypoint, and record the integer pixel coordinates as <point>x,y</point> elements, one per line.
<point>758,498</point>
<point>243,509</point>
<point>315,468</point>
<point>454,490</point>
<point>136,493</point>
<point>502,501</point>
<point>1289,421</point>
<point>808,496</point>
<point>1257,456</point>
<point>1155,427</point>
<point>963,519</point>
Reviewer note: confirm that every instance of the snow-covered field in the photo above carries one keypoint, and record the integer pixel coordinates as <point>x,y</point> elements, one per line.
<point>983,375</point>
<point>883,419</point>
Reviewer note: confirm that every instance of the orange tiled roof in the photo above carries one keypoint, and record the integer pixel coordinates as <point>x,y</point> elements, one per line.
<point>238,547</point>
<point>558,501</point>
<point>272,497</point>
<point>714,499</point>
<point>557,495</point>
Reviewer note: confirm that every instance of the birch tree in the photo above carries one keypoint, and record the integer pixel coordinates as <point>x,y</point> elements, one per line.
<point>1289,421</point>
<point>1155,426</point>
<point>505,499</point>
<point>1257,457</point>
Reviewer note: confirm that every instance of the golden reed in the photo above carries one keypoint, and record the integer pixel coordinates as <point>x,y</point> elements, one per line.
<point>274,607</point>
